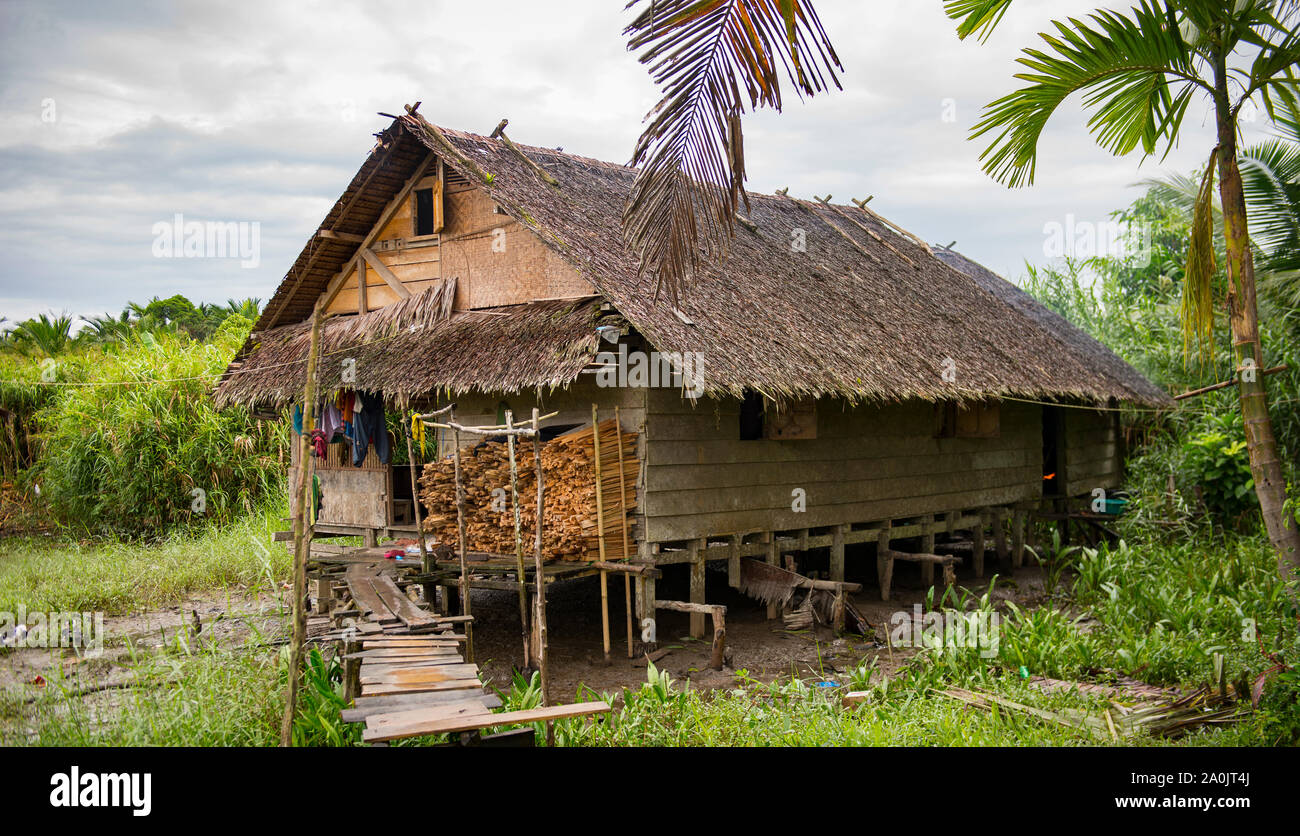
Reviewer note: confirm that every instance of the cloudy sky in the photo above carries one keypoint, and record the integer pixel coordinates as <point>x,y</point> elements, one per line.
<point>115,116</point>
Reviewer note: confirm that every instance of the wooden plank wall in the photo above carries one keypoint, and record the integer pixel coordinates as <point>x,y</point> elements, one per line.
<point>866,464</point>
<point>519,268</point>
<point>1092,451</point>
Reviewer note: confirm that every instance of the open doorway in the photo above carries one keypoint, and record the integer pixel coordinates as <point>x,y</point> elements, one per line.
<point>1053,458</point>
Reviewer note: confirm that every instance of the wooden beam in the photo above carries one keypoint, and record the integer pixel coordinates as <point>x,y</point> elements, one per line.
<point>387,275</point>
<point>336,284</point>
<point>345,237</point>
<point>363,306</point>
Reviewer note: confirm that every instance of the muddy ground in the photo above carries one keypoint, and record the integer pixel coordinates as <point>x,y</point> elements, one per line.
<point>762,648</point>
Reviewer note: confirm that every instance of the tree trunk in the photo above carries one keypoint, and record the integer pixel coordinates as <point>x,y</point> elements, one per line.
<point>1243,321</point>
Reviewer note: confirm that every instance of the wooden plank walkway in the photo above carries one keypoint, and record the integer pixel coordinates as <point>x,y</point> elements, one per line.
<point>407,667</point>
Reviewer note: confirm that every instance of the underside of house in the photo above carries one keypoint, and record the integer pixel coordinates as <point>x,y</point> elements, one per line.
<point>834,387</point>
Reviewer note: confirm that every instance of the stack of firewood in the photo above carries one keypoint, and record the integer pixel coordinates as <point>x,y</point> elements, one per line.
<point>570,529</point>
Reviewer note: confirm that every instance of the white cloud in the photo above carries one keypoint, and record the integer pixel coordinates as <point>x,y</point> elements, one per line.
<point>260,111</point>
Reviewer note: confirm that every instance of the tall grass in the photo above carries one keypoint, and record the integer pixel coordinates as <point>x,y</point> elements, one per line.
<point>127,440</point>
<point>120,576</point>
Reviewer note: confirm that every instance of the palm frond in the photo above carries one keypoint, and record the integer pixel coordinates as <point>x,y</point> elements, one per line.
<point>1197,308</point>
<point>976,16</point>
<point>1136,74</point>
<point>712,58</point>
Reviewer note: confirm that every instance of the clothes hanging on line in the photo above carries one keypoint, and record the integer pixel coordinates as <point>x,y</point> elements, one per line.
<point>371,427</point>
<point>331,421</point>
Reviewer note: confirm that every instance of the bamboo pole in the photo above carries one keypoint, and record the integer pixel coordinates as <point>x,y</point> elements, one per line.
<point>600,534</point>
<point>301,534</point>
<point>425,564</point>
<point>627,554</point>
<point>519,536</point>
<point>543,664</point>
<point>415,501</point>
<point>461,541</point>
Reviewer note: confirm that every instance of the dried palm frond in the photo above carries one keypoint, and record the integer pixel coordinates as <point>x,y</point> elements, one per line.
<point>1169,718</point>
<point>1197,309</point>
<point>702,53</point>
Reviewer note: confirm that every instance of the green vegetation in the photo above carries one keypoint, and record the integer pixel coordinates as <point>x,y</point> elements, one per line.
<point>121,437</point>
<point>119,576</point>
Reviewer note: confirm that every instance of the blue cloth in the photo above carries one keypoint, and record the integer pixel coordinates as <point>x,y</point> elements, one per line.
<point>297,419</point>
<point>371,427</point>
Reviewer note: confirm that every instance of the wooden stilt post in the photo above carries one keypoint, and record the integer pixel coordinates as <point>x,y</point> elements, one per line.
<point>978,550</point>
<point>837,552</point>
<point>1018,538</point>
<point>519,536</point>
<point>627,549</point>
<point>539,565</point>
<point>302,531</point>
<point>426,566</point>
<point>1000,540</point>
<point>600,531</point>
<point>462,540</point>
<point>773,559</point>
<point>697,548</point>
<point>733,562</point>
<point>927,546</point>
<point>884,563</point>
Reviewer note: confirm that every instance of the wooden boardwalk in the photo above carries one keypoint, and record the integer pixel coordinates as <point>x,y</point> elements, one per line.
<point>405,666</point>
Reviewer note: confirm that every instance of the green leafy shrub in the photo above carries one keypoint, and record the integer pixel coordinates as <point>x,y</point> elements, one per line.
<point>129,441</point>
<point>1216,461</point>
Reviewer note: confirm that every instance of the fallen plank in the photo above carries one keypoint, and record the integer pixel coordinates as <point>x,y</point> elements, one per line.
<point>360,585</point>
<point>401,606</point>
<point>382,727</point>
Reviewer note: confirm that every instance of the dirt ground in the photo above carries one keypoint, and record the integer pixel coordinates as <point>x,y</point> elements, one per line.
<point>233,618</point>
<point>762,648</point>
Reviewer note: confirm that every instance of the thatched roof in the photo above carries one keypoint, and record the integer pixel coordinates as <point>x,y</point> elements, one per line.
<point>1071,337</point>
<point>864,312</point>
<point>394,349</point>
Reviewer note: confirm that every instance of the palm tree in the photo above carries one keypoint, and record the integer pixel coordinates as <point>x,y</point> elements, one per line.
<point>1270,174</point>
<point>704,53</point>
<point>249,308</point>
<point>1138,74</point>
<point>44,335</point>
